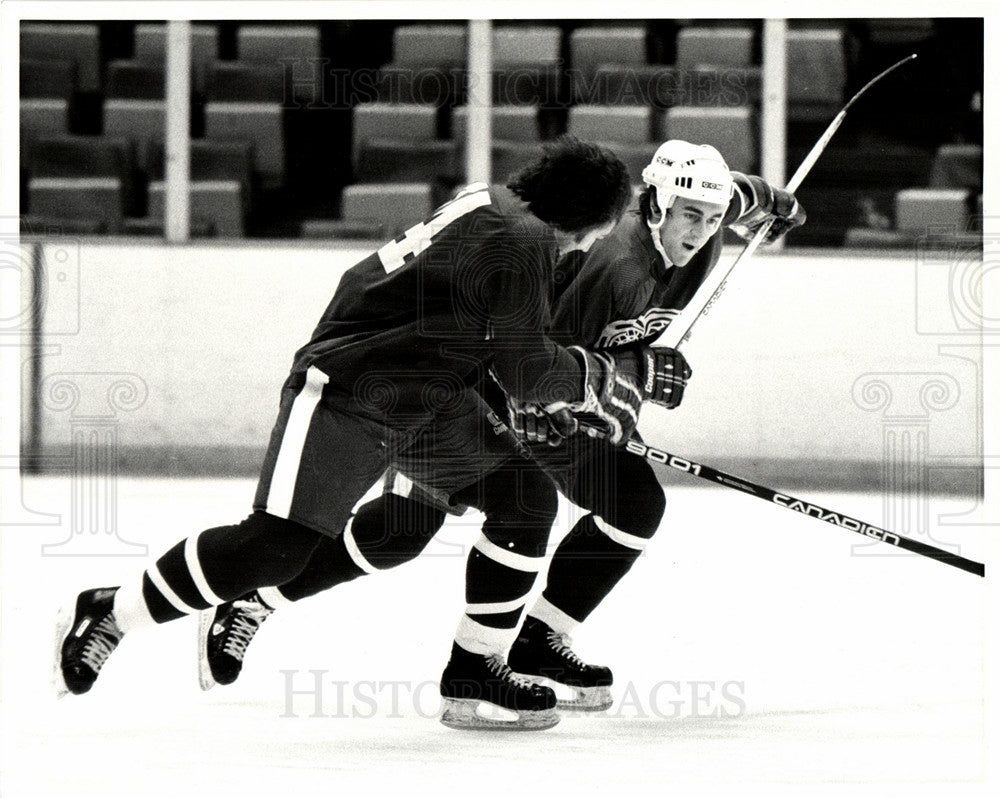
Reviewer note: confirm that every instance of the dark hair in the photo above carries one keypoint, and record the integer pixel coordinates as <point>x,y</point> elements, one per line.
<point>647,201</point>
<point>574,186</point>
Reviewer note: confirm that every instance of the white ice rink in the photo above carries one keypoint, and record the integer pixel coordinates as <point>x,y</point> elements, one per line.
<point>752,647</point>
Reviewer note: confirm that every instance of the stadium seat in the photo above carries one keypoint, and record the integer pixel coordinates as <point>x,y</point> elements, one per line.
<point>395,120</point>
<point>397,83</point>
<point>616,84</point>
<point>47,78</point>
<point>143,122</point>
<point>402,161</point>
<point>626,124</point>
<point>79,43</point>
<point>445,45</point>
<point>80,198</point>
<point>212,161</point>
<point>255,122</point>
<point>394,206</point>
<point>698,46</point>
<point>817,73</point>
<point>235,81</point>
<point>296,49</point>
<point>590,48</point>
<point>715,86</point>
<point>218,202</point>
<point>929,210</point>
<point>340,228</point>
<point>81,156</point>
<point>730,130</point>
<point>522,84</point>
<point>85,157</point>
<point>515,84</point>
<point>867,238</point>
<point>530,44</point>
<point>958,166</point>
<point>509,122</point>
<point>43,115</point>
<point>428,45</point>
<point>41,225</point>
<point>151,47</point>
<point>135,80</point>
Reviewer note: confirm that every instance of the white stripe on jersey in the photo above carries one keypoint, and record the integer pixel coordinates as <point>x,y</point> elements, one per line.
<point>286,467</point>
<point>355,551</point>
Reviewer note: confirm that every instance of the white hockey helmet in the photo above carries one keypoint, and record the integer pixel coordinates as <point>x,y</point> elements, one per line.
<point>695,171</point>
<point>682,169</point>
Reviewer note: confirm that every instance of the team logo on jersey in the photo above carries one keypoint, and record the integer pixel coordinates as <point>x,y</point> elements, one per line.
<point>629,331</point>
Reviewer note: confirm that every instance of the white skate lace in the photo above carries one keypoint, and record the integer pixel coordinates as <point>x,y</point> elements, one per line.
<point>247,618</point>
<point>103,640</point>
<point>561,644</point>
<point>497,665</point>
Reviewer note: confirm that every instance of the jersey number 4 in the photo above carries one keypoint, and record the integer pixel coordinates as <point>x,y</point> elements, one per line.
<point>397,252</point>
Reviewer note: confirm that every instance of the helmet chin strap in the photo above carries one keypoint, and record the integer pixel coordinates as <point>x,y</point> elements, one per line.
<point>654,230</point>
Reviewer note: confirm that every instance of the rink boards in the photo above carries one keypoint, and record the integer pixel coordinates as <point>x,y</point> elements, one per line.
<point>847,370</point>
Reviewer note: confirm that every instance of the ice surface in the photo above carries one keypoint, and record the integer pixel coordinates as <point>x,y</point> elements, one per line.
<point>751,646</point>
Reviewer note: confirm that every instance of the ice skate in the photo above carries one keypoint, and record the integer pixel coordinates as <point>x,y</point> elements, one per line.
<point>224,632</point>
<point>481,692</point>
<point>86,634</point>
<point>542,653</point>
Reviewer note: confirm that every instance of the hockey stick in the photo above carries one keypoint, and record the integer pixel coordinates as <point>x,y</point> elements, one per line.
<point>715,282</point>
<point>847,522</point>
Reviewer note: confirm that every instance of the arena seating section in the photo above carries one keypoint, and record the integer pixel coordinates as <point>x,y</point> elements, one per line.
<point>357,129</point>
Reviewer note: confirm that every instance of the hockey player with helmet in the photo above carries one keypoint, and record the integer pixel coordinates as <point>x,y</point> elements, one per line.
<point>619,295</point>
<point>409,330</point>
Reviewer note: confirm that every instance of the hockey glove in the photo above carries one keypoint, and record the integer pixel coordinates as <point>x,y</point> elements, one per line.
<point>661,372</point>
<point>611,400</point>
<point>787,213</point>
<point>530,422</point>
<point>768,203</point>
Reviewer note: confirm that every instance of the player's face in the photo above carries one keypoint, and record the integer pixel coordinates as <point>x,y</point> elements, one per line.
<point>687,228</point>
<point>585,240</point>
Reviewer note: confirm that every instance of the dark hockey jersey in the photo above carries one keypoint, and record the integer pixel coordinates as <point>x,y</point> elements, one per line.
<point>417,322</point>
<point>621,292</point>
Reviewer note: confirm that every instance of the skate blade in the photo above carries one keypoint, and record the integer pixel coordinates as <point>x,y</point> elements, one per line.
<point>205,679</point>
<point>586,699</point>
<point>64,621</point>
<point>464,714</point>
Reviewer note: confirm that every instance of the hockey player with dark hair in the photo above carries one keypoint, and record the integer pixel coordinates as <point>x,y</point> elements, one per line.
<point>409,331</point>
<point>617,297</point>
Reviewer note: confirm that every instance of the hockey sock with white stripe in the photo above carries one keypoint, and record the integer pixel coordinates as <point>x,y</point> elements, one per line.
<point>520,506</point>
<point>385,532</point>
<point>589,562</point>
<point>215,566</point>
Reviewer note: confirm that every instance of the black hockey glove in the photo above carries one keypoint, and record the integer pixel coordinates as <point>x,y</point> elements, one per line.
<point>767,203</point>
<point>611,400</point>
<point>530,422</point>
<point>661,372</point>
<point>787,213</point>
